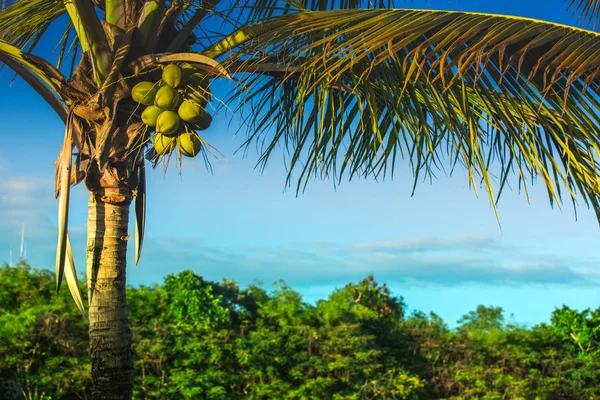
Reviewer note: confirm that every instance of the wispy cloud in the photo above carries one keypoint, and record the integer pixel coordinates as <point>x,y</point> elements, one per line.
<point>439,261</point>
<point>29,201</point>
<point>418,243</point>
<point>25,199</point>
<point>421,260</point>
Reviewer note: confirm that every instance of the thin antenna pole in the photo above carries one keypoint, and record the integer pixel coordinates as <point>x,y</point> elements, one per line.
<point>10,260</point>
<point>22,242</point>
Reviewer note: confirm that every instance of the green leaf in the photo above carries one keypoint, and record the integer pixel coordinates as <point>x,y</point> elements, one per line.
<point>64,173</point>
<point>21,21</point>
<point>115,13</point>
<point>37,84</point>
<point>39,67</point>
<point>140,211</point>
<point>91,36</point>
<point>71,277</point>
<point>148,23</point>
<point>588,10</point>
<point>191,24</point>
<point>351,90</point>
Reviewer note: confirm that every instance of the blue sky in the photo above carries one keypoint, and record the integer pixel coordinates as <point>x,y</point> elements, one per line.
<point>442,250</point>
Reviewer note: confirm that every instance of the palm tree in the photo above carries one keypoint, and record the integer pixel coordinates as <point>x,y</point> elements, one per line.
<point>344,89</point>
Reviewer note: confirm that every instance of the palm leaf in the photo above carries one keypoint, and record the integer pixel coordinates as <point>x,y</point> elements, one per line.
<point>115,12</point>
<point>62,44</point>
<point>23,20</point>
<point>151,14</point>
<point>444,45</point>
<point>24,23</point>
<point>43,70</point>
<point>140,210</point>
<point>258,10</point>
<point>71,277</point>
<point>588,10</point>
<point>37,84</point>
<point>64,172</point>
<point>91,36</point>
<point>47,81</point>
<point>439,88</point>
<point>188,27</point>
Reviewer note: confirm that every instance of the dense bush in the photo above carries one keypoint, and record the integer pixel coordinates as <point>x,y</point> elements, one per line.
<point>195,339</point>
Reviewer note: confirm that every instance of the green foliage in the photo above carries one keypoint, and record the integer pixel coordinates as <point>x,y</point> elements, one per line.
<point>482,319</point>
<point>195,339</point>
<point>583,328</point>
<point>43,340</point>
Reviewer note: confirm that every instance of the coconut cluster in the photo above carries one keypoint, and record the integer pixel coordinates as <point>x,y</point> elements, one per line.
<point>175,109</point>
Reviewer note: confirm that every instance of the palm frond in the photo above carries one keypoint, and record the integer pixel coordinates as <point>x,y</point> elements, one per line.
<point>140,209</point>
<point>148,22</point>
<point>264,9</point>
<point>444,45</point>
<point>71,278</point>
<point>42,70</point>
<point>64,183</point>
<point>115,13</point>
<point>200,12</point>
<point>91,36</point>
<point>24,23</point>
<point>62,45</point>
<point>588,10</point>
<point>37,84</point>
<point>21,21</point>
<point>250,15</point>
<point>361,89</point>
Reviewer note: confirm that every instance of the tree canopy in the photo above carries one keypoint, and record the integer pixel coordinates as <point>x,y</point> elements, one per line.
<point>194,338</point>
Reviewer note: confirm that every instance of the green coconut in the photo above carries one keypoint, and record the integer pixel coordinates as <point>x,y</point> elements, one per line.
<point>199,96</point>
<point>167,123</point>
<point>166,98</point>
<point>197,79</point>
<point>203,121</point>
<point>144,92</point>
<point>163,144</point>
<point>150,115</point>
<point>186,72</point>
<point>189,144</point>
<point>189,110</point>
<point>171,75</point>
<point>197,88</point>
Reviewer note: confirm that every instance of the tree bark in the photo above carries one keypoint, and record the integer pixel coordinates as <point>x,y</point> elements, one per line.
<point>110,335</point>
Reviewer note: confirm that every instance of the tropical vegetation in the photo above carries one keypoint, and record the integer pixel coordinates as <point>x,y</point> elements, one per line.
<point>348,88</point>
<point>197,339</point>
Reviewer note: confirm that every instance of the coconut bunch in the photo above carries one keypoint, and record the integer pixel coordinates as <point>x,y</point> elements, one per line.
<point>175,109</point>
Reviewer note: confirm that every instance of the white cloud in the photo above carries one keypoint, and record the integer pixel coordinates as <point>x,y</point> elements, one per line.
<point>421,260</point>
<point>417,243</point>
<point>441,261</point>
<point>25,199</point>
<point>29,201</point>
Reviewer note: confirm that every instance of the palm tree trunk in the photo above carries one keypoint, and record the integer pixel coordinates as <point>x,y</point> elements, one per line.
<point>110,335</point>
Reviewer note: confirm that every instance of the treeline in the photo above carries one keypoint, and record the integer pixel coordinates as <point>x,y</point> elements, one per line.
<point>195,339</point>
